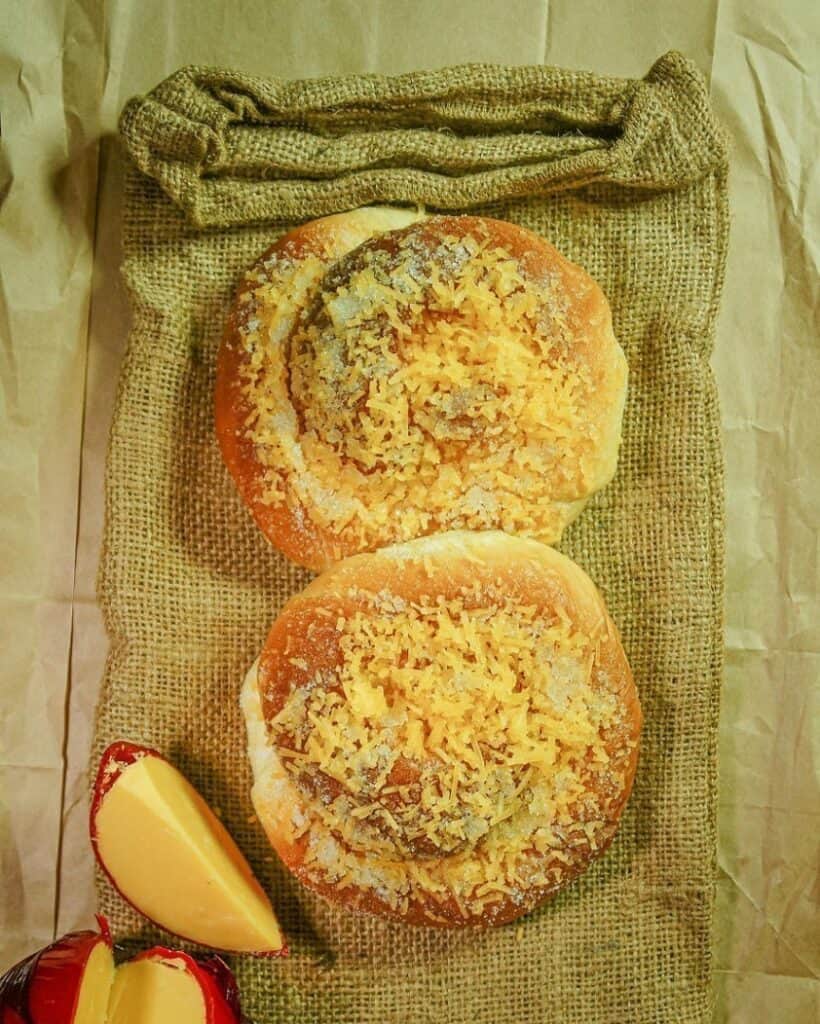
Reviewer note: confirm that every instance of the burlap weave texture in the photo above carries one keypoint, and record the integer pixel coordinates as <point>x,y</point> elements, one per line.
<point>627,178</point>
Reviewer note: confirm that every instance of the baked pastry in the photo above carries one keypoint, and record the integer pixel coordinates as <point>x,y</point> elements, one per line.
<point>444,732</point>
<point>385,376</point>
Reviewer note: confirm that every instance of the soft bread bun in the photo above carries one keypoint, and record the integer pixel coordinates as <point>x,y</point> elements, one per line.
<point>385,376</point>
<point>444,732</point>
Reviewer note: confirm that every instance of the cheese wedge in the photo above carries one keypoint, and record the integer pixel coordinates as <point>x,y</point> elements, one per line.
<point>173,860</point>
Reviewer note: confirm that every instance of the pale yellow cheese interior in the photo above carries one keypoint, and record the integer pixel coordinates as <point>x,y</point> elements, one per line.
<point>175,861</point>
<point>156,991</point>
<point>95,986</point>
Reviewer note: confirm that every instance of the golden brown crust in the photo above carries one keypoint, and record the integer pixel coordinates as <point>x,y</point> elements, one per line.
<point>275,413</point>
<point>305,642</point>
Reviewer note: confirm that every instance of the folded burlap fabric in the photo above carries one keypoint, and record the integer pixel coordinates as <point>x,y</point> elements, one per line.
<point>627,178</point>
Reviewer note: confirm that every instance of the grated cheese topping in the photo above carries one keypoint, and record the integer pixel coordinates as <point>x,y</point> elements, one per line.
<point>467,751</point>
<point>411,386</point>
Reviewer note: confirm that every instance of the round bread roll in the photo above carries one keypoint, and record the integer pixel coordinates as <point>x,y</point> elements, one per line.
<point>385,376</point>
<point>444,732</point>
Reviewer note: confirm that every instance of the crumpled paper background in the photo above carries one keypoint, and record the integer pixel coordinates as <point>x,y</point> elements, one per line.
<point>66,68</point>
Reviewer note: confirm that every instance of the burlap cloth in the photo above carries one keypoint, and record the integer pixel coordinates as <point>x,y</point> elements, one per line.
<point>629,179</point>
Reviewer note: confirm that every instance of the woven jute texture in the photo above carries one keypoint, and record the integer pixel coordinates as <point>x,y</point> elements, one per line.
<point>627,178</point>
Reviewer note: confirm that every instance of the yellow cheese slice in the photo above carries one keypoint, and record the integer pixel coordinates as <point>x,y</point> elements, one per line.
<point>171,857</point>
<point>95,987</point>
<point>156,992</point>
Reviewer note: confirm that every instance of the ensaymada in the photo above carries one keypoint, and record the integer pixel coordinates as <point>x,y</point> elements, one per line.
<point>444,732</point>
<point>385,376</point>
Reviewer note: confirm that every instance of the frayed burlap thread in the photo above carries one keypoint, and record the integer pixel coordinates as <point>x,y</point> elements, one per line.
<point>627,178</point>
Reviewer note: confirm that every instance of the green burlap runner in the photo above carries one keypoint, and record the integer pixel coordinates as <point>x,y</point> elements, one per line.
<point>627,178</point>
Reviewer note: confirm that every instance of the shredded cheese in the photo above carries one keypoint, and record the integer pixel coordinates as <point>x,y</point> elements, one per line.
<point>465,750</point>
<point>410,388</point>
